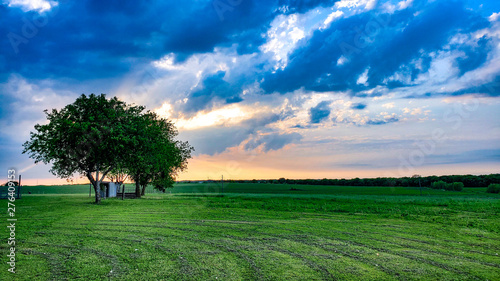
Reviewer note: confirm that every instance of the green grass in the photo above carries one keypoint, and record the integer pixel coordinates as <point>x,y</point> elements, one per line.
<point>257,232</point>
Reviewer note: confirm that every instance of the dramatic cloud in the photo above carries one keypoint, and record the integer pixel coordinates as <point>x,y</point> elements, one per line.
<point>278,79</point>
<point>363,51</point>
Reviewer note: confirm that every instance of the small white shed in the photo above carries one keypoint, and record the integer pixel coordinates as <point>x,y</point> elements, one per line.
<point>111,188</point>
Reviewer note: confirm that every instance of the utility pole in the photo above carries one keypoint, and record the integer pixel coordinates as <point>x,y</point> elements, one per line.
<point>222,183</point>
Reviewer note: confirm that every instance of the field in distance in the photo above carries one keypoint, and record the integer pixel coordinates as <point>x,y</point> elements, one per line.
<point>266,188</point>
<point>257,232</point>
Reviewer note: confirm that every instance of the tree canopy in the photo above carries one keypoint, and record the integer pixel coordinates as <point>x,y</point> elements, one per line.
<point>95,136</point>
<point>155,156</point>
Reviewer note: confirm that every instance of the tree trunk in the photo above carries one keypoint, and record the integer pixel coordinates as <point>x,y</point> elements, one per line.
<point>97,188</point>
<point>143,191</point>
<point>98,185</point>
<point>137,189</point>
<point>98,192</point>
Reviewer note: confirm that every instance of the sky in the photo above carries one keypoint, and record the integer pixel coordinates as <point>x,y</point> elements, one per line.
<point>268,88</point>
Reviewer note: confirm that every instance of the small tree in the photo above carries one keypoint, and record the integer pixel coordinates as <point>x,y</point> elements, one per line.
<point>493,188</point>
<point>458,186</point>
<point>155,155</point>
<point>438,185</point>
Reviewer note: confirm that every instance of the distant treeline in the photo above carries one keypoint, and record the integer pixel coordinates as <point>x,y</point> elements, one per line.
<point>467,180</point>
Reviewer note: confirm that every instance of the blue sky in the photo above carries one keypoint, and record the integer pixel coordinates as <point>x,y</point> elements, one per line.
<point>268,89</point>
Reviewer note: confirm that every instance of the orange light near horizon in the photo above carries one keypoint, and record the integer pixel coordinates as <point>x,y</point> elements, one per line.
<point>231,114</point>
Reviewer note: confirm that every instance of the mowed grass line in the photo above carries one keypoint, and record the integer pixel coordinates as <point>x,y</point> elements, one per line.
<point>257,237</point>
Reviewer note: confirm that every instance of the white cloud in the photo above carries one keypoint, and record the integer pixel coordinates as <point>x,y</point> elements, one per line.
<point>32,5</point>
<point>388,105</point>
<point>29,101</point>
<point>341,60</point>
<point>211,62</point>
<point>363,78</point>
<point>282,38</point>
<point>471,99</point>
<point>416,111</point>
<point>167,62</point>
<point>227,115</point>
<point>404,4</point>
<point>494,17</point>
<point>351,4</point>
<point>443,75</point>
<point>389,7</point>
<point>331,17</point>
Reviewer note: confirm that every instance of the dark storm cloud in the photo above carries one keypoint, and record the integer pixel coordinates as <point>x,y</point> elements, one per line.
<point>319,112</point>
<point>381,43</point>
<point>77,39</point>
<point>96,39</point>
<point>86,40</point>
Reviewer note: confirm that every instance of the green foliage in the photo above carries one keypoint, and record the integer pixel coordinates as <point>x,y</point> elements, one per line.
<point>458,186</point>
<point>439,185</point>
<point>455,186</point>
<point>493,188</point>
<point>449,187</point>
<point>162,157</point>
<point>467,180</point>
<point>95,136</point>
<point>83,137</point>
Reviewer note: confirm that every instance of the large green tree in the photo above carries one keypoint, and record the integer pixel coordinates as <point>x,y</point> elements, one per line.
<point>95,135</point>
<point>85,137</point>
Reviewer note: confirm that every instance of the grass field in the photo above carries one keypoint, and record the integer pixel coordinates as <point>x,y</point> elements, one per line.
<point>257,232</point>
